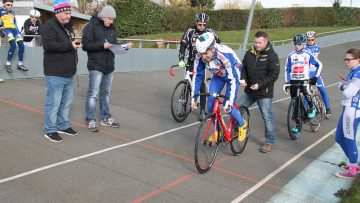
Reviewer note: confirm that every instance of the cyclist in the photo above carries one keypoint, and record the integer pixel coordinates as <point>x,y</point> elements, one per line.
<point>223,63</point>
<point>32,26</point>
<point>314,49</point>
<point>188,42</point>
<point>13,35</point>
<point>297,71</point>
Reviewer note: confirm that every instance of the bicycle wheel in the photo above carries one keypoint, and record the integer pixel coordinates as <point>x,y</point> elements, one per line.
<point>315,122</point>
<point>237,146</point>
<point>206,144</point>
<point>181,101</point>
<point>291,117</point>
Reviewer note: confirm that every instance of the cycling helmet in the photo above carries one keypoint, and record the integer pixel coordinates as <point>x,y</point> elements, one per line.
<point>205,42</point>
<point>299,39</point>
<point>35,13</point>
<point>202,17</point>
<point>311,34</point>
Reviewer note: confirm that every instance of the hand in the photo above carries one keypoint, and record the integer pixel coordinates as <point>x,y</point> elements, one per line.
<point>107,45</point>
<point>243,83</point>
<point>193,104</point>
<point>227,108</point>
<point>313,80</point>
<point>128,45</point>
<point>182,64</point>
<point>254,87</point>
<point>76,44</point>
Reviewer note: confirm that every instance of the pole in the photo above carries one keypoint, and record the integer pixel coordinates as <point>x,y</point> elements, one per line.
<point>248,25</point>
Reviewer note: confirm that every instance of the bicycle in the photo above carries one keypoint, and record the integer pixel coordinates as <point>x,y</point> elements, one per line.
<point>298,111</point>
<point>181,96</point>
<point>206,151</point>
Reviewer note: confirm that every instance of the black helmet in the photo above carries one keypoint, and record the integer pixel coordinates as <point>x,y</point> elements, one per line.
<point>299,39</point>
<point>202,17</point>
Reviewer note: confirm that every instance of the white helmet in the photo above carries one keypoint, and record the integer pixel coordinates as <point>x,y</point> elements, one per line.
<point>205,42</point>
<point>311,34</point>
<point>35,13</point>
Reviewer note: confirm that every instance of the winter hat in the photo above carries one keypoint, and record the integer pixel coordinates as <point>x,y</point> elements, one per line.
<point>107,12</point>
<point>61,5</point>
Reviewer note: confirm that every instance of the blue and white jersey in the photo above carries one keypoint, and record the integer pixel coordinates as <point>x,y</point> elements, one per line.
<point>298,66</point>
<point>225,64</point>
<point>350,88</point>
<point>315,51</point>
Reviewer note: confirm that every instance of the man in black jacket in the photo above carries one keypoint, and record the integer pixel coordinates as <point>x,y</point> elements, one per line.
<point>98,36</point>
<point>259,72</point>
<point>60,60</point>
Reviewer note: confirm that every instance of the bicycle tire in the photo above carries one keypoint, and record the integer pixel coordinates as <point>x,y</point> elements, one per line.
<point>205,152</point>
<point>315,123</point>
<point>181,104</point>
<point>290,117</point>
<point>237,147</point>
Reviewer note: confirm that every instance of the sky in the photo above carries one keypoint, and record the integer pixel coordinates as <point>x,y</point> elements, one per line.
<point>289,3</point>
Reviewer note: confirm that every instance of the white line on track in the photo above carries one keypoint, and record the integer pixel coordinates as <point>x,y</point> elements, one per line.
<point>109,149</point>
<point>278,170</point>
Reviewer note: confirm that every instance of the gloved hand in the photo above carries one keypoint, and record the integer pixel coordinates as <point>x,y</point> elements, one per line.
<point>182,64</point>
<point>313,80</point>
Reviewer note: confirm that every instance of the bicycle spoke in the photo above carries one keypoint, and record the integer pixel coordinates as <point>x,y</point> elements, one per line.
<point>181,101</point>
<point>238,145</point>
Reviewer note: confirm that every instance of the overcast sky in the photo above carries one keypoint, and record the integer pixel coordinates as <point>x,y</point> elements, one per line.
<point>289,3</point>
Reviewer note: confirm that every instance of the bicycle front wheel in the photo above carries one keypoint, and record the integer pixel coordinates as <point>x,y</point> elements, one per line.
<point>238,145</point>
<point>294,116</point>
<point>181,101</point>
<point>315,122</point>
<point>206,144</point>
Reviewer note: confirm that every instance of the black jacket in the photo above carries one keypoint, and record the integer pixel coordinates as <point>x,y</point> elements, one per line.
<point>31,29</point>
<point>262,68</point>
<point>60,57</point>
<point>95,34</point>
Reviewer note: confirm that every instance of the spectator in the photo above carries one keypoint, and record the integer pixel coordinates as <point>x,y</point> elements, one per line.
<point>98,36</point>
<point>60,59</point>
<point>32,26</point>
<point>13,35</point>
<point>349,119</point>
<point>259,72</point>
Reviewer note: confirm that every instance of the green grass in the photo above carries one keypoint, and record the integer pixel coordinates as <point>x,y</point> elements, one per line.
<point>352,194</point>
<point>237,36</point>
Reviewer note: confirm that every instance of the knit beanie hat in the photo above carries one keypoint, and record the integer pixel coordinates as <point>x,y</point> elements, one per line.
<point>61,5</point>
<point>107,12</point>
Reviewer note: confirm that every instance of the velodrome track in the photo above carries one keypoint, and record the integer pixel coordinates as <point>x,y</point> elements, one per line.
<point>150,157</point>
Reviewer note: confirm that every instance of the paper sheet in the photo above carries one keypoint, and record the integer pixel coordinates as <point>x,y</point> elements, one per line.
<point>118,49</point>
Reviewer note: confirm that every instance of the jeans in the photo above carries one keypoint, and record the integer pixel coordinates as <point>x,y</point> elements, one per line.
<point>59,96</point>
<point>265,106</point>
<point>99,83</point>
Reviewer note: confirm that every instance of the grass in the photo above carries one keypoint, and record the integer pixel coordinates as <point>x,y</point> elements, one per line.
<point>237,36</point>
<point>352,194</point>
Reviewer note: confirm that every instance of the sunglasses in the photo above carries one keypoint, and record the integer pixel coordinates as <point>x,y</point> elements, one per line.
<point>34,17</point>
<point>311,40</point>
<point>347,60</point>
<point>298,44</point>
<point>8,5</point>
<point>201,24</point>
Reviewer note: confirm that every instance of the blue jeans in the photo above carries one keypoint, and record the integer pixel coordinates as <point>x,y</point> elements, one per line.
<point>265,106</point>
<point>99,83</point>
<point>59,96</point>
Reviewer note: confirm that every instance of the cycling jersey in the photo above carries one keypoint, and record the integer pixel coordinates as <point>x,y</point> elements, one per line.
<point>189,40</point>
<point>351,88</point>
<point>314,50</point>
<point>225,65</point>
<point>8,18</point>
<point>298,66</point>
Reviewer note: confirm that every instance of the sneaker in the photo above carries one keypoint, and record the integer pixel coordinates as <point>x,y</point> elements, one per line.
<point>312,113</point>
<point>22,67</point>
<point>266,148</point>
<point>54,137</point>
<point>68,131</point>
<point>346,175</point>
<point>328,113</point>
<point>92,126</point>
<point>110,123</point>
<point>213,138</point>
<point>347,168</point>
<point>296,131</point>
<point>242,132</point>
<point>8,68</point>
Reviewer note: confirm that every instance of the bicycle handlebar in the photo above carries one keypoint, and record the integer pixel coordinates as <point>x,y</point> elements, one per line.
<point>216,95</point>
<point>296,84</point>
<point>175,66</point>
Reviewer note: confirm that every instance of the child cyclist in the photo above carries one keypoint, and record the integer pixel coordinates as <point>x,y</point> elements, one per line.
<point>223,63</point>
<point>314,49</point>
<point>297,71</point>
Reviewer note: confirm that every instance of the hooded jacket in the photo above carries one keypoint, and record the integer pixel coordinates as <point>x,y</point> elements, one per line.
<point>95,34</point>
<point>262,68</point>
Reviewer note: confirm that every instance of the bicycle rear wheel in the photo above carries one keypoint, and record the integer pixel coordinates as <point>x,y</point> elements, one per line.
<point>315,122</point>
<point>291,117</point>
<point>206,144</point>
<point>237,147</point>
<point>181,101</point>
